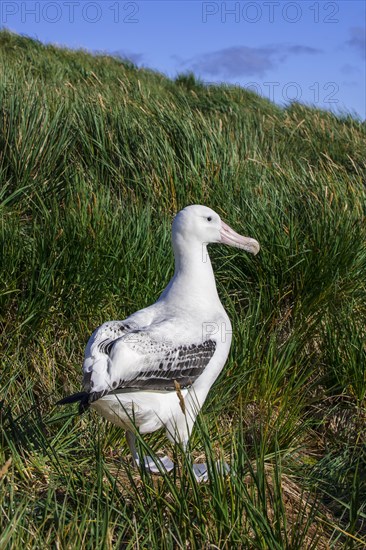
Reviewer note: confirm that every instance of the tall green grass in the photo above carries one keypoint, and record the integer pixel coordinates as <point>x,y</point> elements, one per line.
<point>95,158</point>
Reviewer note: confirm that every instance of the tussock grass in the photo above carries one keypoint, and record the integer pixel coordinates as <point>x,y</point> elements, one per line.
<point>95,158</point>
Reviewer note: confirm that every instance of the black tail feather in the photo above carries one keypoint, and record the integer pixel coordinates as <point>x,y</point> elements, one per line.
<point>81,397</point>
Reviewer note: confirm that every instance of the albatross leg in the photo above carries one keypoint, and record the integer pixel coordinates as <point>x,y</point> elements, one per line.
<point>201,471</point>
<point>180,435</point>
<point>131,438</point>
<point>163,464</point>
<point>157,466</point>
<point>160,465</point>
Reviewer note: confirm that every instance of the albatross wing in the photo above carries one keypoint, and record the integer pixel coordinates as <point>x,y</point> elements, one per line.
<point>138,359</point>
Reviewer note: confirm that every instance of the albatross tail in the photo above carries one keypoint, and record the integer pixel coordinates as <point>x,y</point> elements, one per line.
<point>81,397</point>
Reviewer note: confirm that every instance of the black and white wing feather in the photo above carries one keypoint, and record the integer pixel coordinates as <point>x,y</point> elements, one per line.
<point>122,358</point>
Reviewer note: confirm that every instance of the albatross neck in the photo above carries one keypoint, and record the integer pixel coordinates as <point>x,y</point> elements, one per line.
<point>193,278</point>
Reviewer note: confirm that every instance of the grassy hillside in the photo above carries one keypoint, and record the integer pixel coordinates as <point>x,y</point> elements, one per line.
<point>95,158</point>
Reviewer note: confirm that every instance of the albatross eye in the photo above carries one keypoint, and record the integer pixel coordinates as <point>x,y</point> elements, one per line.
<point>209,219</point>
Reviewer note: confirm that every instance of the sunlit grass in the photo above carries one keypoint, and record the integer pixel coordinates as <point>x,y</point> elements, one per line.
<point>96,156</point>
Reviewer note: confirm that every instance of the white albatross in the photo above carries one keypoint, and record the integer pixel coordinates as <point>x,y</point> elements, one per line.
<point>136,371</point>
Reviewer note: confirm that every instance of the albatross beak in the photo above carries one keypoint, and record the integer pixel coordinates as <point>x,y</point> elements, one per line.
<point>230,237</point>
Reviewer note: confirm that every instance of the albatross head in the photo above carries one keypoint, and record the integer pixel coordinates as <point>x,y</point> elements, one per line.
<point>200,223</point>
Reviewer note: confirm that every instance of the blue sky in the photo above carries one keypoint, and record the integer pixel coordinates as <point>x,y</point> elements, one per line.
<point>312,51</point>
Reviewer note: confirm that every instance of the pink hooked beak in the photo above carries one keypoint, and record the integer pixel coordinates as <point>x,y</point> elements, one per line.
<point>230,237</point>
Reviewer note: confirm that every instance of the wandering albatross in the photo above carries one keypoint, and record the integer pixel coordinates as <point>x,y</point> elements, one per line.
<point>136,372</point>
